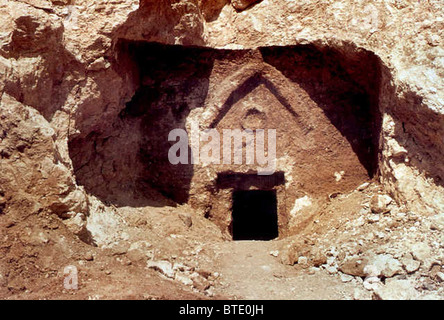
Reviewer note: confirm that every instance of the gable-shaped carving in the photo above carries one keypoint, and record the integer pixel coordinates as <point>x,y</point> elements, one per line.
<point>247,79</point>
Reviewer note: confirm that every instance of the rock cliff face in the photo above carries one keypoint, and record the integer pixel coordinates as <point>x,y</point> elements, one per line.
<point>71,75</point>
<point>66,77</point>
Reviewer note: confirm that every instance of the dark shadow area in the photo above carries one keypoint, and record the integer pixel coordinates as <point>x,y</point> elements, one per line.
<point>420,131</point>
<point>173,81</point>
<point>170,81</point>
<point>243,181</point>
<point>255,215</point>
<point>345,87</point>
<point>127,164</point>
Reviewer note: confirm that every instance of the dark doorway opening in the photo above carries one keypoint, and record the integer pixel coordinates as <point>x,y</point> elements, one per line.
<point>255,215</point>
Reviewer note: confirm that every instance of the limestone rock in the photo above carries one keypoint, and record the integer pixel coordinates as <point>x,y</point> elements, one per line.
<point>331,269</point>
<point>274,253</point>
<point>437,222</point>
<point>47,184</point>
<point>373,219</point>
<point>363,186</point>
<point>303,262</point>
<point>359,294</point>
<point>287,256</point>
<point>395,149</point>
<point>410,264</point>
<point>186,218</point>
<point>99,64</point>
<point>121,248</point>
<point>395,289</point>
<point>372,283</point>
<point>383,265</point>
<point>318,257</point>
<point>163,266</point>
<point>65,81</point>
<point>421,251</point>
<point>346,278</point>
<point>77,224</point>
<point>379,203</point>
<point>354,266</point>
<point>183,279</point>
<point>199,282</point>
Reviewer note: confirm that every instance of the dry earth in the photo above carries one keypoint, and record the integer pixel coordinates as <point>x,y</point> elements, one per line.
<point>89,90</point>
<point>188,258</point>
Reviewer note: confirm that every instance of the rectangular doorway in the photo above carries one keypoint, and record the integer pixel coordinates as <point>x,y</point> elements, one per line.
<point>255,215</point>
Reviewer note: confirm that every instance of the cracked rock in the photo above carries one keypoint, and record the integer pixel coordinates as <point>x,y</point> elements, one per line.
<point>164,267</point>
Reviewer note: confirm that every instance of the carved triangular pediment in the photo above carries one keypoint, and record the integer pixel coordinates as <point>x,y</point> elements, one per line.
<point>242,84</point>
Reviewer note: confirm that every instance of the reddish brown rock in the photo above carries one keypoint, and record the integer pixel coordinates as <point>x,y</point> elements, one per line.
<point>242,4</point>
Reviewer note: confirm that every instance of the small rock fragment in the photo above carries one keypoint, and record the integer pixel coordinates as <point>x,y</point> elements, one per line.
<point>372,283</point>
<point>136,255</point>
<point>410,265</point>
<point>354,266</point>
<point>319,258</point>
<point>346,278</point>
<point>437,222</point>
<point>287,256</point>
<point>89,256</point>
<point>274,253</point>
<point>363,186</point>
<point>395,289</point>
<point>379,203</point>
<point>186,219</point>
<point>421,251</point>
<point>303,262</point>
<point>331,269</point>
<point>183,279</point>
<point>373,219</point>
<point>383,265</point>
<point>164,267</point>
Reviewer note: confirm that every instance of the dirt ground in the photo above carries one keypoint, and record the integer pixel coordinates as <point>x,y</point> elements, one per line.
<point>249,271</point>
<point>171,253</point>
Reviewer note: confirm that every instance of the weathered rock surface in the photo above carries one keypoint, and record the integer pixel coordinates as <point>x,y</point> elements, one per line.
<point>64,78</point>
<point>60,78</point>
<point>242,4</point>
<point>354,266</point>
<point>379,203</point>
<point>437,222</point>
<point>410,264</point>
<point>383,265</point>
<point>395,289</point>
<point>421,252</point>
<point>50,64</point>
<point>164,267</point>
